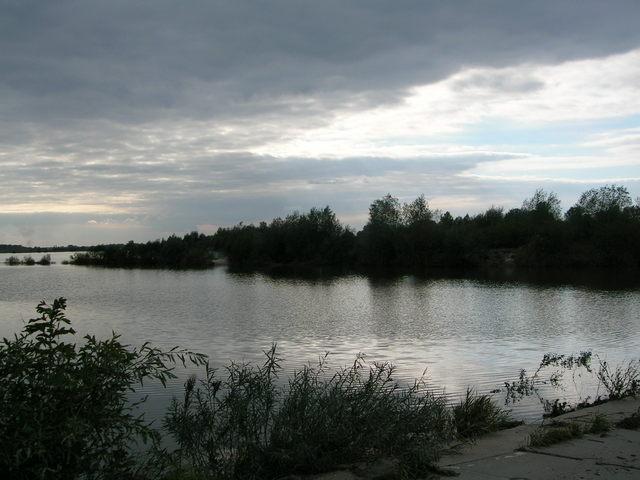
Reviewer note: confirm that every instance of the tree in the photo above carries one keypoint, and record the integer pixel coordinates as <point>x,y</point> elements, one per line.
<point>64,408</point>
<point>416,212</point>
<point>543,204</point>
<point>609,199</point>
<point>385,211</point>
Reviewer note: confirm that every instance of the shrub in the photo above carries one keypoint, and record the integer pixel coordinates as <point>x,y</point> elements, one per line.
<point>620,381</point>
<point>222,427</point>
<point>86,258</point>
<point>64,408</point>
<point>545,436</point>
<point>599,424</point>
<point>28,260</point>
<point>631,422</point>
<point>12,260</point>
<point>477,415</point>
<point>359,413</point>
<point>45,260</point>
<point>244,426</point>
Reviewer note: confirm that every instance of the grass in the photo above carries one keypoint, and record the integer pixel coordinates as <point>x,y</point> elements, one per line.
<point>631,422</point>
<point>562,432</point>
<point>240,424</point>
<point>621,380</point>
<point>478,415</point>
<point>546,436</point>
<point>599,424</point>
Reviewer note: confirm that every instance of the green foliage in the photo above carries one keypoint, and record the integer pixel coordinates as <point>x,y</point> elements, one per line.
<point>545,205</point>
<point>564,431</point>
<point>620,381</point>
<point>546,436</point>
<point>601,230</point>
<point>5,248</point>
<point>194,250</point>
<point>478,415</point>
<point>64,408</point>
<point>312,238</point>
<point>416,212</point>
<point>385,211</point>
<point>607,200</point>
<point>44,260</point>
<point>28,260</point>
<point>358,413</point>
<point>599,424</point>
<point>631,422</point>
<point>222,427</point>
<point>12,260</point>
<point>555,408</point>
<point>243,426</point>
<point>551,372</point>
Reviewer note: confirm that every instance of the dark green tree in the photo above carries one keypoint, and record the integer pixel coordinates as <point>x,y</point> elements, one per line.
<point>65,411</point>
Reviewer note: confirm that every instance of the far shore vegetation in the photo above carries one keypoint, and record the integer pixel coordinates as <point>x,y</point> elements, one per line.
<point>601,231</point>
<point>9,248</point>
<point>68,410</point>
<point>28,260</point>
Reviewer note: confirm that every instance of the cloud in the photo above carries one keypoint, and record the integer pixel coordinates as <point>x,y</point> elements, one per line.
<point>126,62</point>
<point>524,95</point>
<point>139,119</point>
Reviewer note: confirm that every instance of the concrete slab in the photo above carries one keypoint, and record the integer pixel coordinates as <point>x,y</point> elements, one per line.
<point>491,445</point>
<point>615,455</point>
<point>619,447</point>
<point>533,466</point>
<point>614,411</point>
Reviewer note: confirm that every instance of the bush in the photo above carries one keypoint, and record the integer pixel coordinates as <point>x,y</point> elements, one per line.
<point>12,260</point>
<point>477,415</point>
<point>64,408</point>
<point>546,436</point>
<point>620,381</point>
<point>244,426</point>
<point>599,424</point>
<point>86,258</point>
<point>631,422</point>
<point>45,260</point>
<point>28,260</point>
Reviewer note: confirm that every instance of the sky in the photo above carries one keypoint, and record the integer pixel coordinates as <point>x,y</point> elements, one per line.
<point>133,119</point>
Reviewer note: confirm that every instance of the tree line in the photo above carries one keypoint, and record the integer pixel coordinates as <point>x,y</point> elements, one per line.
<point>13,248</point>
<point>602,229</point>
<point>194,250</point>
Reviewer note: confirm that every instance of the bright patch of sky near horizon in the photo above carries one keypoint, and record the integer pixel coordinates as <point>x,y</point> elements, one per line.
<point>123,122</point>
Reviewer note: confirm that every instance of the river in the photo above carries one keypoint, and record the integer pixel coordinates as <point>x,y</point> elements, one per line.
<point>476,332</point>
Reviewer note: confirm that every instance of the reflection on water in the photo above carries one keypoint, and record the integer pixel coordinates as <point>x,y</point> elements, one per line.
<point>466,330</point>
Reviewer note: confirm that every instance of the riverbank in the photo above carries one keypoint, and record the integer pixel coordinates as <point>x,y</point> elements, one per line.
<point>507,454</point>
<point>614,454</point>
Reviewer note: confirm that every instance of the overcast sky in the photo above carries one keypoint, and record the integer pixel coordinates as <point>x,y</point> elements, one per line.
<point>134,119</point>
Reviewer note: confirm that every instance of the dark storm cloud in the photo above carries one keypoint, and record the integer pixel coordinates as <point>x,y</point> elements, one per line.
<point>149,110</point>
<point>137,61</point>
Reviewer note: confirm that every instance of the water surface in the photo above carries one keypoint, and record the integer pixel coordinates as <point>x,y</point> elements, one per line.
<point>466,332</point>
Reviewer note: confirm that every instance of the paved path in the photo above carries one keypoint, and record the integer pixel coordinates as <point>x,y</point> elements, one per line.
<point>614,455</point>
